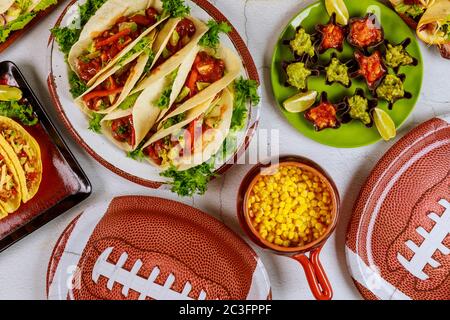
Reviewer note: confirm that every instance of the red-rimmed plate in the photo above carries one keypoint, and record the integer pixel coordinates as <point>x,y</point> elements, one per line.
<point>137,247</point>
<point>398,240</point>
<point>98,146</point>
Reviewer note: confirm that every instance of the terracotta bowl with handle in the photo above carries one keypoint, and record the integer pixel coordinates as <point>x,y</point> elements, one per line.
<point>307,255</point>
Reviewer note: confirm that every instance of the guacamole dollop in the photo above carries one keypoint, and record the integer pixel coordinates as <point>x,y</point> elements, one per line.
<point>297,74</point>
<point>359,109</point>
<point>337,72</point>
<point>397,56</point>
<point>302,43</point>
<point>391,88</point>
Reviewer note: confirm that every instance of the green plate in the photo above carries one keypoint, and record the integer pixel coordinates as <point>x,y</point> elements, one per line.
<point>353,134</point>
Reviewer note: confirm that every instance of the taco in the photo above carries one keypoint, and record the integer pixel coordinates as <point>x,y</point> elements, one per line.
<point>16,14</point>
<point>210,73</point>
<point>113,87</point>
<point>115,29</point>
<point>434,26</point>
<point>195,139</point>
<point>411,10</point>
<point>25,155</point>
<point>10,191</point>
<point>126,127</point>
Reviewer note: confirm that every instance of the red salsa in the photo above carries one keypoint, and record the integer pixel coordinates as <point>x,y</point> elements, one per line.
<point>332,37</point>
<point>365,32</point>
<point>323,116</point>
<point>123,130</point>
<point>112,41</point>
<point>371,67</point>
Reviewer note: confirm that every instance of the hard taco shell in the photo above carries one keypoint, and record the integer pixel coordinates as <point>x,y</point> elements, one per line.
<point>28,192</point>
<point>13,203</point>
<point>436,15</point>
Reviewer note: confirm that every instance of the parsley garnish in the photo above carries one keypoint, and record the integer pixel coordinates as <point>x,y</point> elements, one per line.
<point>175,8</point>
<point>193,181</point>
<point>94,122</point>
<point>211,37</point>
<point>245,91</point>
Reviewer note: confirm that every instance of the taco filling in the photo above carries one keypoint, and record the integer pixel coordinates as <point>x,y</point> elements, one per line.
<point>412,8</point>
<point>187,140</point>
<point>111,42</point>
<point>180,37</point>
<point>370,67</point>
<point>365,32</point>
<point>107,93</point>
<point>205,71</point>
<point>123,130</point>
<point>25,153</point>
<point>8,185</point>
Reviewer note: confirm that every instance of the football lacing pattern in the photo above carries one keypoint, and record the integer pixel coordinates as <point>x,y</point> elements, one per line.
<point>115,273</point>
<point>433,241</point>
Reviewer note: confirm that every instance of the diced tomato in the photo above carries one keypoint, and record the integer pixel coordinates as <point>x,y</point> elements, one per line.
<point>87,70</point>
<point>31,176</point>
<point>371,67</point>
<point>152,154</point>
<point>123,130</point>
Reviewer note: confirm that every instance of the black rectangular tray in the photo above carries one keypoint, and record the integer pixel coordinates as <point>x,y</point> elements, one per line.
<point>34,216</point>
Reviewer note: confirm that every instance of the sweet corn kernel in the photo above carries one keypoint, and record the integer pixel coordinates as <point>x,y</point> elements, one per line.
<point>290,208</point>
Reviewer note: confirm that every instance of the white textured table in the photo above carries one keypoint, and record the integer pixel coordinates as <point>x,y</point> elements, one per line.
<point>23,266</point>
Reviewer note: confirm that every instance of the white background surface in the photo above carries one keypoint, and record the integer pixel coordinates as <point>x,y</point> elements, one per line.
<point>23,266</point>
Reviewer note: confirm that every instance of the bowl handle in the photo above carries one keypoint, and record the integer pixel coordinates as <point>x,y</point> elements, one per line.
<point>317,279</point>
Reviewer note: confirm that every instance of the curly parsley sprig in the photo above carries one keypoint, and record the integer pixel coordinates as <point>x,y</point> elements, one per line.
<point>245,91</point>
<point>175,8</point>
<point>211,38</point>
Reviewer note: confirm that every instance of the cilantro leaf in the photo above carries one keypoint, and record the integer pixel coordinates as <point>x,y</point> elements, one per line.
<point>175,8</point>
<point>245,91</point>
<point>211,37</point>
<point>22,112</point>
<point>94,122</point>
<point>189,182</point>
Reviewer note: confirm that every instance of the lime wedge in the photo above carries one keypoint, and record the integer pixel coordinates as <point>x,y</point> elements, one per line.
<point>8,93</point>
<point>338,7</point>
<point>300,102</point>
<point>384,124</point>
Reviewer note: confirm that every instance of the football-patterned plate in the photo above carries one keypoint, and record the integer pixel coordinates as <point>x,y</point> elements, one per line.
<point>98,146</point>
<point>398,241</point>
<point>137,247</point>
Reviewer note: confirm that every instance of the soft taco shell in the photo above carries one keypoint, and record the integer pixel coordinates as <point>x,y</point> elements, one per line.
<point>436,14</point>
<point>25,154</point>
<point>233,67</point>
<point>193,113</point>
<point>177,59</point>
<point>10,197</point>
<point>104,18</point>
<point>144,113</point>
<point>212,139</point>
<point>133,78</point>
